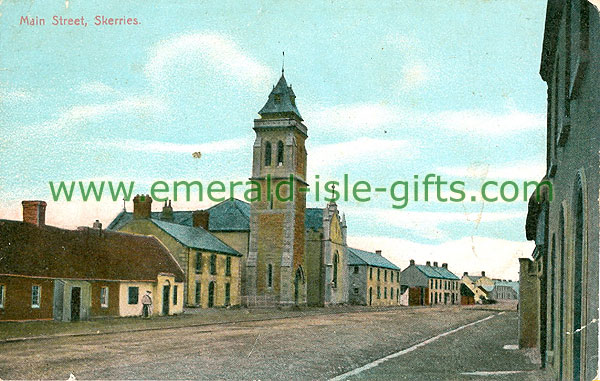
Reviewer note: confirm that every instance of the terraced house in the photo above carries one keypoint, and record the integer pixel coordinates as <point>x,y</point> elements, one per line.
<point>430,285</point>
<point>373,280</point>
<point>212,268</point>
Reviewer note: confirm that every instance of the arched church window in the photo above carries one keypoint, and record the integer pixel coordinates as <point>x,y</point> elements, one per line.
<point>280,153</point>
<point>268,154</point>
<point>336,260</point>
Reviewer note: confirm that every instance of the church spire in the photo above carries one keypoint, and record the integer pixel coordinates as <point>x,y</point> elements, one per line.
<point>281,102</point>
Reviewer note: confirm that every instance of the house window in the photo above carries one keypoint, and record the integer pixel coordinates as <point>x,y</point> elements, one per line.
<point>397,276</point>
<point>385,276</point>
<point>279,153</point>
<point>2,292</point>
<point>268,154</point>
<point>36,296</point>
<point>269,275</point>
<point>175,295</point>
<point>355,290</point>
<point>391,276</point>
<point>378,292</point>
<point>391,293</point>
<point>378,274</point>
<point>385,293</point>
<point>355,269</point>
<point>227,293</point>
<point>104,297</point>
<point>335,270</point>
<point>198,293</point>
<point>213,264</point>
<point>133,293</point>
<point>198,262</point>
<point>371,273</point>
<point>228,266</point>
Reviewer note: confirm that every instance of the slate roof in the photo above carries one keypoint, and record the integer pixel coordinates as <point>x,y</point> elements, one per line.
<point>313,218</point>
<point>228,215</point>
<point>436,272</point>
<point>51,252</point>
<point>195,237</point>
<point>357,257</point>
<point>465,290</point>
<point>513,285</point>
<point>281,101</point>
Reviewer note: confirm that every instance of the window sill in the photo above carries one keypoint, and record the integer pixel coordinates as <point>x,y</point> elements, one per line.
<point>35,307</point>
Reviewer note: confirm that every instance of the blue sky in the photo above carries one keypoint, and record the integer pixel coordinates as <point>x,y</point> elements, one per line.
<point>386,91</point>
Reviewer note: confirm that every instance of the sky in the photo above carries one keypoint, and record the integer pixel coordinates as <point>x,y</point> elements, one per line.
<point>387,92</point>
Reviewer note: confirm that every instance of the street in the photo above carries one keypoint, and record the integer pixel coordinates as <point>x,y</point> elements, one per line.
<point>308,347</point>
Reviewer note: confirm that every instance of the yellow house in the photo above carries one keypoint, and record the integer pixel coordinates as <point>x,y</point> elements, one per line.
<point>211,267</point>
<point>374,281</point>
<point>480,285</point>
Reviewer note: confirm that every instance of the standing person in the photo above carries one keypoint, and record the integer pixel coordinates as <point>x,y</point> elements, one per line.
<point>147,304</point>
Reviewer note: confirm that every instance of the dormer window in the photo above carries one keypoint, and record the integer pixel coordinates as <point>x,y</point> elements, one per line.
<point>293,99</point>
<point>277,98</point>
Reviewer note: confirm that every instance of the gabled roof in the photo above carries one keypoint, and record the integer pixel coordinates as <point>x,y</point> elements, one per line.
<point>228,215</point>
<point>465,290</point>
<point>90,254</point>
<point>195,237</point>
<point>281,101</point>
<point>313,218</point>
<point>436,272</point>
<point>358,257</point>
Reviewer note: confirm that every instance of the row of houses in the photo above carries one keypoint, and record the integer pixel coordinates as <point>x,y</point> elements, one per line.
<point>51,273</point>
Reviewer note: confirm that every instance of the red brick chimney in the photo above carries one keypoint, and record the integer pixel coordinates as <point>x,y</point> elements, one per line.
<point>142,206</point>
<point>200,218</point>
<point>34,212</point>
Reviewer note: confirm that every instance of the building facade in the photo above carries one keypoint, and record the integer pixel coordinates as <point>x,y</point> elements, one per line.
<point>480,286</point>
<point>563,221</point>
<point>67,275</point>
<point>373,280</point>
<point>430,285</point>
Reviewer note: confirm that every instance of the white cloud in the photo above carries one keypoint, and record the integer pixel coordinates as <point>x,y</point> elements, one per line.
<point>14,96</point>
<point>354,117</point>
<point>156,146</point>
<point>497,257</point>
<point>214,51</point>
<point>514,171</point>
<point>429,224</point>
<point>485,122</point>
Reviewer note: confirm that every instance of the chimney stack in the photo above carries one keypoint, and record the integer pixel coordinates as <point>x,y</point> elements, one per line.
<point>412,262</point>
<point>483,273</point>
<point>427,263</point>
<point>200,218</point>
<point>34,212</point>
<point>445,265</point>
<point>435,264</point>
<point>465,274</point>
<point>167,212</point>
<point>142,206</point>
<point>97,225</point>
<point>378,252</point>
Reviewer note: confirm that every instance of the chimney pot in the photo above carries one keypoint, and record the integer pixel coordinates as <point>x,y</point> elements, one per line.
<point>167,212</point>
<point>34,212</point>
<point>435,264</point>
<point>378,252</point>
<point>412,262</point>
<point>428,263</point>
<point>200,218</point>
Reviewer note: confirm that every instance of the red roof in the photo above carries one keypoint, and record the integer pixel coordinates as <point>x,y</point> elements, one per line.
<point>29,250</point>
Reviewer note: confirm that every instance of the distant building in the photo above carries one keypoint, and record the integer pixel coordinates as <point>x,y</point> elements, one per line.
<point>467,297</point>
<point>480,285</point>
<point>373,280</point>
<point>211,266</point>
<point>505,290</point>
<point>50,273</point>
<point>430,285</point>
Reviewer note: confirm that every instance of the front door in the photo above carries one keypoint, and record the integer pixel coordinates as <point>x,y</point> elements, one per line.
<point>75,303</point>
<point>211,294</point>
<point>165,304</point>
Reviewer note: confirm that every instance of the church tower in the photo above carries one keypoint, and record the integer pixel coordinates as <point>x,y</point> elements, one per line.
<point>276,248</point>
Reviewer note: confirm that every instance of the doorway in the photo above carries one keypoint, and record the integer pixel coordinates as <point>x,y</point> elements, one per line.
<point>166,299</point>
<point>75,303</point>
